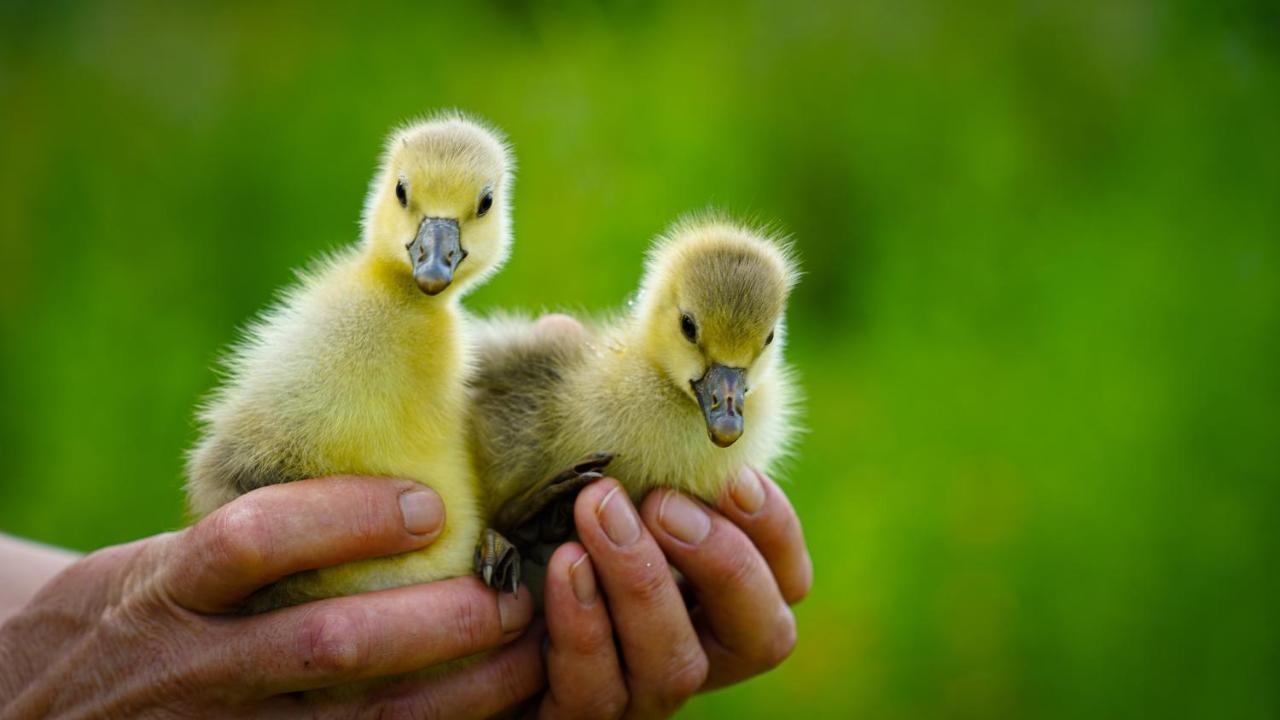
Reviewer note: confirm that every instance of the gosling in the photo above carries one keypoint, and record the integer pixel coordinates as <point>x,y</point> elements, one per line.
<point>361,367</point>
<point>681,389</point>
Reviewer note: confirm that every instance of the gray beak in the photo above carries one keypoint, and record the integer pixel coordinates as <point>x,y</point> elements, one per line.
<point>436,253</point>
<point>720,395</point>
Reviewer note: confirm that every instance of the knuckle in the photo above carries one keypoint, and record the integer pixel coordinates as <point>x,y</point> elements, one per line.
<point>685,676</point>
<point>117,622</point>
<point>335,642</point>
<point>649,582</point>
<point>589,639</point>
<point>239,536</point>
<point>367,522</point>
<point>778,645</point>
<point>739,567</point>
<point>472,630</point>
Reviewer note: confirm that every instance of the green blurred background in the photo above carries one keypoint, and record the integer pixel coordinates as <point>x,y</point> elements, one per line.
<point>1039,330</point>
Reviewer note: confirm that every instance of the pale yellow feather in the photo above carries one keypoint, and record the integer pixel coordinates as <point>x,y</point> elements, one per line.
<point>357,371</point>
<point>543,400</point>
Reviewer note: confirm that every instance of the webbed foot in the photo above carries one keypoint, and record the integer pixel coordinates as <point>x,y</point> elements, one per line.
<point>497,561</point>
<point>545,512</point>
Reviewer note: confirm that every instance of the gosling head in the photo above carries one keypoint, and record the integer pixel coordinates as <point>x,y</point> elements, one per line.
<point>711,315</point>
<point>438,209</point>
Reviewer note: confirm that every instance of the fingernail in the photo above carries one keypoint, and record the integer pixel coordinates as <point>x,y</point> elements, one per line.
<point>513,613</point>
<point>583,580</point>
<point>683,518</point>
<point>618,518</point>
<point>421,513</point>
<point>748,491</point>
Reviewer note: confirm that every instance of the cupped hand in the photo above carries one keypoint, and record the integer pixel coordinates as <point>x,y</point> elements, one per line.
<point>149,629</point>
<point>622,642</point>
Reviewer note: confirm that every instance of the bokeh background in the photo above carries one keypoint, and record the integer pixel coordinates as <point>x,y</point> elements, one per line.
<point>1039,330</point>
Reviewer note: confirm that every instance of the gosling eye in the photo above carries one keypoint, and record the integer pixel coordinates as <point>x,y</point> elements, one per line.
<point>688,327</point>
<point>486,202</point>
<point>401,195</point>
<point>769,339</point>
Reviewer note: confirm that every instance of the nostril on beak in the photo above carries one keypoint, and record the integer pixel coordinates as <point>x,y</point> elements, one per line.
<point>729,403</point>
<point>715,401</point>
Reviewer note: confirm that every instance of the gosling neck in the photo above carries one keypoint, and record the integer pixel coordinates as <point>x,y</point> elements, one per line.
<point>638,362</point>
<point>392,273</point>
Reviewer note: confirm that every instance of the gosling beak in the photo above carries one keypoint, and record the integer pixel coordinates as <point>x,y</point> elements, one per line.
<point>435,253</point>
<point>720,394</point>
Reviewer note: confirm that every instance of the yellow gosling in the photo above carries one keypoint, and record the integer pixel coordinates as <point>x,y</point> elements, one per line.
<point>682,388</point>
<point>361,367</point>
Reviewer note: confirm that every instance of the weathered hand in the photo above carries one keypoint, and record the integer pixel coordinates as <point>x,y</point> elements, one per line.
<point>147,629</point>
<point>745,564</point>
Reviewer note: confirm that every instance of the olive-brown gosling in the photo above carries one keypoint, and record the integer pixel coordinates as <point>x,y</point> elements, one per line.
<point>681,389</point>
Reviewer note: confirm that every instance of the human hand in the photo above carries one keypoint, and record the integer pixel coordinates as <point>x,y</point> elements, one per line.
<point>745,564</point>
<point>147,629</point>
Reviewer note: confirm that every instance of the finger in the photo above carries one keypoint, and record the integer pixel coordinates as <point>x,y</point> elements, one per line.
<point>281,529</point>
<point>744,610</point>
<point>559,325</point>
<point>664,661</point>
<point>584,676</point>
<point>759,507</point>
<point>481,689</point>
<point>328,642</point>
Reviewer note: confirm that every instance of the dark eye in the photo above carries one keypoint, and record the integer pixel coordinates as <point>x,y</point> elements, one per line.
<point>486,202</point>
<point>688,327</point>
<point>400,194</point>
<point>769,339</point>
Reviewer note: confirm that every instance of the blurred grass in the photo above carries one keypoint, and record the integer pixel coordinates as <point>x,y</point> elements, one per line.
<point>1040,326</point>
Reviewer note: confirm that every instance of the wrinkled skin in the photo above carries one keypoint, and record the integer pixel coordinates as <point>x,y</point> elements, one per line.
<point>746,570</point>
<point>148,629</point>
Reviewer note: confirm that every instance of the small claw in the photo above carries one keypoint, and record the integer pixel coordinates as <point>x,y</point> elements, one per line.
<point>497,561</point>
